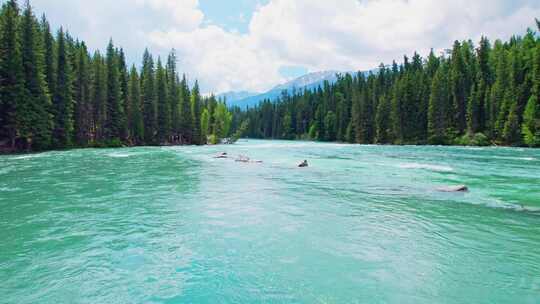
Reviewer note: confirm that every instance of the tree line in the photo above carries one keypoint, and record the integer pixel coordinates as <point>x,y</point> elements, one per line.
<point>54,94</point>
<point>468,95</point>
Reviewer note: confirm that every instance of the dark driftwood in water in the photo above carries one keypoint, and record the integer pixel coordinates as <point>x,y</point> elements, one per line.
<point>222,155</point>
<point>459,188</point>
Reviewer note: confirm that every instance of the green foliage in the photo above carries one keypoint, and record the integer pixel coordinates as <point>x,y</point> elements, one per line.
<point>511,133</point>
<point>149,99</point>
<point>63,99</point>
<point>83,106</point>
<point>438,109</point>
<point>382,119</point>
<point>114,122</point>
<point>213,139</point>
<point>330,126</point>
<point>136,124</point>
<point>222,121</point>
<point>12,86</point>
<point>240,131</point>
<point>196,115</point>
<point>54,94</point>
<point>488,90</point>
<point>531,123</point>
<point>478,139</point>
<point>313,131</point>
<point>205,125</point>
<point>531,116</point>
<point>186,119</point>
<point>163,105</point>
<point>36,128</point>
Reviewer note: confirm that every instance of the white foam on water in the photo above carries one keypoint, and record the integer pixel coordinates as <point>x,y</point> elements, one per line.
<point>6,170</point>
<point>511,206</point>
<point>7,189</point>
<point>295,145</point>
<point>30,156</point>
<point>515,158</point>
<point>437,168</point>
<point>477,148</point>
<point>120,155</point>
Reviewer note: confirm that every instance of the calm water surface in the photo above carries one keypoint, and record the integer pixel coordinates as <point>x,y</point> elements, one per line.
<point>363,224</point>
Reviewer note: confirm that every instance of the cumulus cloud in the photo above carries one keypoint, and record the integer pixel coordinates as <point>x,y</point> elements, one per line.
<point>345,35</point>
<point>221,60</point>
<point>185,13</point>
<point>315,34</point>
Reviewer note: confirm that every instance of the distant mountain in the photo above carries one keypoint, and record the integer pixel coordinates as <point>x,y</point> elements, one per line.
<point>235,96</point>
<point>308,81</point>
<point>311,79</point>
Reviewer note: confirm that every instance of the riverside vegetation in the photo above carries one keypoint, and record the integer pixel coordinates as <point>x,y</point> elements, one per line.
<point>469,95</point>
<point>54,94</point>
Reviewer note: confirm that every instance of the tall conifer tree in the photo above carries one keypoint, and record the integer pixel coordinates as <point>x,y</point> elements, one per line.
<point>12,87</point>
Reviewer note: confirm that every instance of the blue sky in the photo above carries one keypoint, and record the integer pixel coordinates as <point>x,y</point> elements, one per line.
<point>255,44</point>
<point>232,15</point>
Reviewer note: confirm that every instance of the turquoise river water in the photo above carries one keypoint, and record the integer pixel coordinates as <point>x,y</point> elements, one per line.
<point>362,224</point>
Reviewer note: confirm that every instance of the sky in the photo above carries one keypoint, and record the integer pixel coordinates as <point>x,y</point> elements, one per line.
<point>253,45</point>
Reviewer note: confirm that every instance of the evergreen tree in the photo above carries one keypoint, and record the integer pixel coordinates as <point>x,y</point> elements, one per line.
<point>174,94</point>
<point>186,119</point>
<point>356,117</point>
<point>287,126</point>
<point>473,109</point>
<point>511,132</point>
<point>149,99</point>
<point>205,125</point>
<point>83,105</point>
<point>382,121</point>
<point>196,114</point>
<point>222,121</point>
<point>531,116</point>
<point>340,117</point>
<point>437,117</point>
<point>498,98</point>
<point>164,111</point>
<point>397,112</point>
<point>37,125</point>
<point>63,100</point>
<point>124,91</point>
<point>114,122</point>
<point>99,98</point>
<point>458,88</point>
<point>12,86</point>
<point>50,56</point>
<point>136,124</point>
<point>330,126</point>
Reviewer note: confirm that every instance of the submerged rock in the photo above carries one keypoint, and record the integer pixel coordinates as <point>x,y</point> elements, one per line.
<point>222,155</point>
<point>242,159</point>
<point>458,188</point>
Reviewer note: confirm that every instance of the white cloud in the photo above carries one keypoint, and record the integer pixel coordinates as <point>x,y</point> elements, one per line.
<point>345,34</point>
<point>315,34</point>
<point>221,60</point>
<point>186,14</point>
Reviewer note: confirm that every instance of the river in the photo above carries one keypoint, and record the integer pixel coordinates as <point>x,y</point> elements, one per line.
<point>362,224</point>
